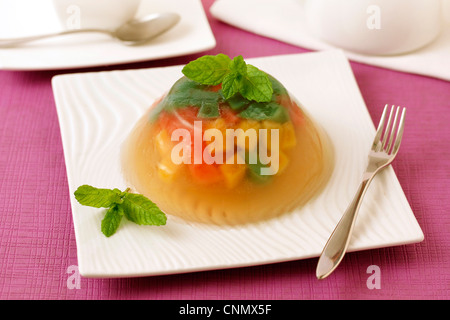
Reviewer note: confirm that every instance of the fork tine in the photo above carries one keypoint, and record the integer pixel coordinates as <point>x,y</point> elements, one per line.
<point>386,131</point>
<point>398,139</point>
<point>392,134</point>
<point>376,141</point>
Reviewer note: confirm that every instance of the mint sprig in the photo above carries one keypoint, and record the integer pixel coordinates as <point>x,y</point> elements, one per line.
<point>135,207</point>
<point>209,70</point>
<point>235,75</point>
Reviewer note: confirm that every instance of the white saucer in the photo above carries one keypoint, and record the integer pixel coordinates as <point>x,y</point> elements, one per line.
<point>26,17</point>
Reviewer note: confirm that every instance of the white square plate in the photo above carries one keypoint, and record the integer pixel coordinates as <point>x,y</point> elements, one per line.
<point>96,112</point>
<point>26,17</point>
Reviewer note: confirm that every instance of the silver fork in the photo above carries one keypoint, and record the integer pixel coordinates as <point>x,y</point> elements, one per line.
<point>384,149</point>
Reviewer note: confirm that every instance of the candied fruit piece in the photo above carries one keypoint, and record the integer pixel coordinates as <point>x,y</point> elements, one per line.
<point>233,172</point>
<point>247,139</point>
<point>163,143</point>
<point>167,169</point>
<point>287,136</point>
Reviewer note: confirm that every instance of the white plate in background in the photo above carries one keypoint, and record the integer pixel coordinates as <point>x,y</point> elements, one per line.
<point>28,17</point>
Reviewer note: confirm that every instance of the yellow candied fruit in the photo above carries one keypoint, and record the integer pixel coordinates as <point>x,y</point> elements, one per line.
<point>233,172</point>
<point>208,135</point>
<point>248,140</point>
<point>269,124</point>
<point>287,139</point>
<point>283,162</point>
<point>272,125</point>
<point>163,143</point>
<point>167,169</point>
<point>219,123</point>
<point>286,134</point>
<point>249,124</point>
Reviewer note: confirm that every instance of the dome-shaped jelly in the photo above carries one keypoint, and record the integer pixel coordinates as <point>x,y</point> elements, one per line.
<point>204,158</point>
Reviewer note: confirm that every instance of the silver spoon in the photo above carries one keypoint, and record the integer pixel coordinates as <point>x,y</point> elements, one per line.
<point>133,32</point>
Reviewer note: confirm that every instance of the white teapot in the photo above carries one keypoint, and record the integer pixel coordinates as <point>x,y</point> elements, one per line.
<point>376,27</point>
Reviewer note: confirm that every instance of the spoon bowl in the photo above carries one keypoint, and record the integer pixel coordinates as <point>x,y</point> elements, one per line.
<point>134,32</point>
<point>141,30</point>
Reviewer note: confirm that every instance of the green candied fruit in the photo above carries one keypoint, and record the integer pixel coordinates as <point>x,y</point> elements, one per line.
<point>186,93</point>
<point>255,175</point>
<point>265,111</point>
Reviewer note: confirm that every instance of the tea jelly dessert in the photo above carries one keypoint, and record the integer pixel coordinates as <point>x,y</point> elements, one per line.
<point>208,154</point>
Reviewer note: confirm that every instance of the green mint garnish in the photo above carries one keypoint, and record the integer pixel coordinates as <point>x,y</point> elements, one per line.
<point>256,85</point>
<point>134,207</point>
<point>97,198</point>
<point>234,80</point>
<point>209,70</point>
<point>235,75</point>
<point>112,219</point>
<point>141,210</point>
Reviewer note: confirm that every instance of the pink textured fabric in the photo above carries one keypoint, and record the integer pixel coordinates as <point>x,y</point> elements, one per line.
<point>37,242</point>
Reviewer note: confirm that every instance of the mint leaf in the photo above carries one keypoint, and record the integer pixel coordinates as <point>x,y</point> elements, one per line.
<point>97,198</point>
<point>235,75</point>
<point>231,84</point>
<point>112,219</point>
<point>141,210</point>
<point>234,81</point>
<point>238,65</point>
<point>256,85</point>
<point>209,70</point>
<point>135,207</point>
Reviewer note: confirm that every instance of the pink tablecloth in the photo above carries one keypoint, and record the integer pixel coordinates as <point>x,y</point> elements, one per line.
<point>37,242</point>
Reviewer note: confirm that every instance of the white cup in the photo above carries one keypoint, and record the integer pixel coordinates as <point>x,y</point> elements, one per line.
<point>376,27</point>
<point>91,14</point>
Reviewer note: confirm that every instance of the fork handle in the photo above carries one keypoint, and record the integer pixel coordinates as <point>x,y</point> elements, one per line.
<point>337,244</point>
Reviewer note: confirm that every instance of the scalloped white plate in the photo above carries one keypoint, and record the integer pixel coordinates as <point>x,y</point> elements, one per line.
<point>26,17</point>
<point>96,112</point>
